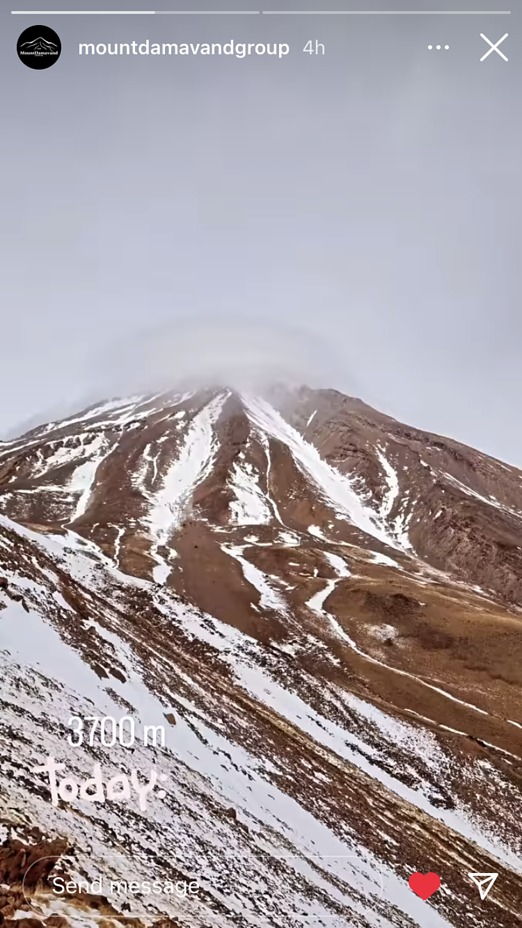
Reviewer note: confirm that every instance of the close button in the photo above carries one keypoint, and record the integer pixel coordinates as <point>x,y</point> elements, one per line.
<point>494,47</point>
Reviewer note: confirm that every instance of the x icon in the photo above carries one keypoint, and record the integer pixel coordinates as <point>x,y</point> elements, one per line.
<point>494,46</point>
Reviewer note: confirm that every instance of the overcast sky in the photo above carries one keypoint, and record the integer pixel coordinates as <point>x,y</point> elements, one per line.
<point>353,218</point>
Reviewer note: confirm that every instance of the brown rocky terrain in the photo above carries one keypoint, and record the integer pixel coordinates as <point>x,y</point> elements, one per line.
<point>321,606</point>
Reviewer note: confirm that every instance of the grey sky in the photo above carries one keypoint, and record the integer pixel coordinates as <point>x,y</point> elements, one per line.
<point>357,213</point>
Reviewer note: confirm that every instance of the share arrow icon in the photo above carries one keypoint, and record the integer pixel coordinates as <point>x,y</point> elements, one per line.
<point>483,882</point>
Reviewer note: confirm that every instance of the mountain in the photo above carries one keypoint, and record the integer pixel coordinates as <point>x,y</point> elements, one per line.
<point>39,45</point>
<point>318,608</point>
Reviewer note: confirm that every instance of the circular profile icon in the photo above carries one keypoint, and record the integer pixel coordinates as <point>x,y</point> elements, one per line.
<point>39,47</point>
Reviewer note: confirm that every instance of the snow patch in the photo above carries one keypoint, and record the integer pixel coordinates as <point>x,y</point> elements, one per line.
<point>250,506</point>
<point>269,598</point>
<point>84,476</point>
<point>383,559</point>
<point>392,490</point>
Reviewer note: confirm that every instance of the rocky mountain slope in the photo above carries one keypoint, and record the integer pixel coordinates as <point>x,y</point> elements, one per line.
<point>319,607</point>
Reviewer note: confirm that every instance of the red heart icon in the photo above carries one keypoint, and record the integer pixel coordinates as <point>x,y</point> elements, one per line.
<point>424,884</point>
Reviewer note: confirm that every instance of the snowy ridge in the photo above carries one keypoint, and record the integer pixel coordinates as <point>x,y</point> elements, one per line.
<point>192,465</point>
<point>337,489</point>
<point>490,501</point>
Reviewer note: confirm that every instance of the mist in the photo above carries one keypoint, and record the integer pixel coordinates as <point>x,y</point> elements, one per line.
<point>246,355</point>
<point>243,354</point>
<point>349,221</point>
